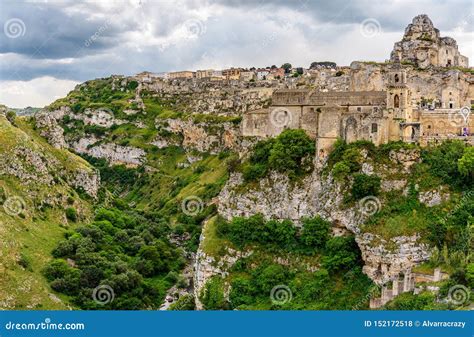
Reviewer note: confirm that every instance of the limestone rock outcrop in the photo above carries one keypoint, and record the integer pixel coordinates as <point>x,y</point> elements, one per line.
<point>113,153</point>
<point>48,123</point>
<point>382,264</point>
<point>277,197</point>
<point>423,46</point>
<point>202,136</point>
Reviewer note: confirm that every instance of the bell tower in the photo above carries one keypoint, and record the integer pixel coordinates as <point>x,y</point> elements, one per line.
<point>398,94</point>
<point>403,124</point>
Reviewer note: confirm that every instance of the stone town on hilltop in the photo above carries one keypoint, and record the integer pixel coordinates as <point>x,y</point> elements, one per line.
<point>423,94</point>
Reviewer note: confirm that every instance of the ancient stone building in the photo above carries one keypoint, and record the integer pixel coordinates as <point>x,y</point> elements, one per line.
<point>396,110</point>
<point>423,46</point>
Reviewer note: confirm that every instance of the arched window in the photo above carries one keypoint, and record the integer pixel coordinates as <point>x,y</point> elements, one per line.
<point>396,101</point>
<point>397,79</point>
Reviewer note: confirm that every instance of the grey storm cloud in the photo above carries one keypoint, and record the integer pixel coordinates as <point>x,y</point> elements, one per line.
<point>51,33</point>
<point>82,40</point>
<point>392,13</point>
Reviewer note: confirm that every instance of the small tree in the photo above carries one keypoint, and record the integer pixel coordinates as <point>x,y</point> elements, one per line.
<point>71,214</point>
<point>315,232</point>
<point>341,170</point>
<point>365,185</point>
<point>290,148</point>
<point>466,163</point>
<point>11,115</point>
<point>287,67</point>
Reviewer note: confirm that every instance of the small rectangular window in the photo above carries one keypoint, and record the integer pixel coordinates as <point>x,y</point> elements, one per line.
<point>374,127</point>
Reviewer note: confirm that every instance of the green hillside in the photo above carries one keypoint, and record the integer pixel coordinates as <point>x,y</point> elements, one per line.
<point>33,217</point>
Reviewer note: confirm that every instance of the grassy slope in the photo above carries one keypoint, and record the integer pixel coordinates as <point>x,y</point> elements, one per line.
<point>31,235</point>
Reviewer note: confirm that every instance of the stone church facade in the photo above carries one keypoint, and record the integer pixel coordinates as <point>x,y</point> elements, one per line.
<point>380,116</point>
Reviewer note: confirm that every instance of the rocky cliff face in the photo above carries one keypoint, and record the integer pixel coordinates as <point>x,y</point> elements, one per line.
<point>318,194</point>
<point>49,125</point>
<point>386,259</point>
<point>225,99</point>
<point>34,164</point>
<point>206,266</point>
<point>115,154</point>
<point>202,136</point>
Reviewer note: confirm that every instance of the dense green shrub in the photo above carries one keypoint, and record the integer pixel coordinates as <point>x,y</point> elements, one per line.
<point>470,275</point>
<point>71,214</point>
<point>242,291</point>
<point>120,249</point>
<point>11,117</point>
<point>353,159</point>
<point>365,185</point>
<point>466,163</point>
<point>443,162</point>
<point>254,171</point>
<point>341,253</point>
<point>341,170</point>
<point>132,85</point>
<point>212,295</point>
<point>288,153</point>
<point>252,285</point>
<point>315,232</point>
<point>289,150</point>
<point>255,229</point>
<point>409,301</point>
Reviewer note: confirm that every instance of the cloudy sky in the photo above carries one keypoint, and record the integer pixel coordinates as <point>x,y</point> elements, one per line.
<point>47,47</point>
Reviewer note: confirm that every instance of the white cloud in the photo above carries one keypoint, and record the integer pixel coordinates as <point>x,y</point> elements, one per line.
<point>37,92</point>
<point>78,41</point>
